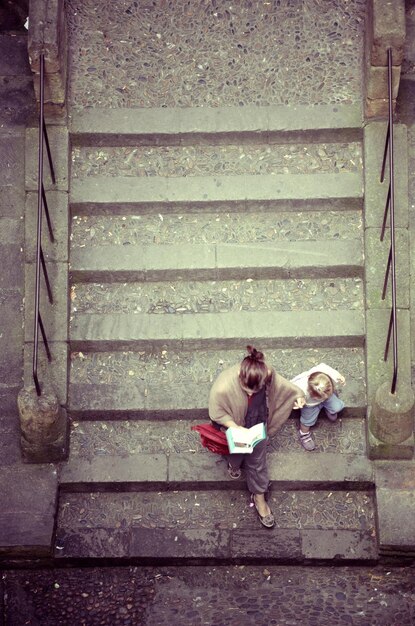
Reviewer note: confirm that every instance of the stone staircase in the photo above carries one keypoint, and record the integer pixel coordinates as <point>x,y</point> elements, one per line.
<point>193,233</point>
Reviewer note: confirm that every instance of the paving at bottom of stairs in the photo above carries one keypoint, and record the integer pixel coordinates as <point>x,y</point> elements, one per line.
<point>214,596</point>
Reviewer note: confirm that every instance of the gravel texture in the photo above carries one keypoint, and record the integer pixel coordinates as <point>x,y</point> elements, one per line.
<point>222,160</point>
<point>218,596</point>
<point>215,226</point>
<point>217,296</point>
<point>171,366</point>
<point>122,438</point>
<point>213,509</point>
<point>178,54</point>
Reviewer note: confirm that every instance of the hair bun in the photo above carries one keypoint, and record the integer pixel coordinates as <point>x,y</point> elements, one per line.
<point>255,354</point>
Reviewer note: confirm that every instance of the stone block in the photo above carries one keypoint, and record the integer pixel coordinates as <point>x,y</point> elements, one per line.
<point>13,54</point>
<point>59,147</point>
<point>54,316</point>
<point>137,468</point>
<point>12,201</point>
<point>275,543</point>
<point>57,202</point>
<point>386,30</point>
<point>27,511</point>
<point>377,449</point>
<point>378,108</point>
<point>175,543</point>
<point>12,160</point>
<point>52,374</point>
<point>54,88</point>
<point>378,370</point>
<point>92,543</point>
<point>17,102</point>
<point>392,417</point>
<point>11,302</point>
<point>11,274</point>
<point>338,544</point>
<point>44,426</point>
<point>376,192</point>
<point>396,518</point>
<point>48,34</point>
<point>377,82</point>
<point>377,253</point>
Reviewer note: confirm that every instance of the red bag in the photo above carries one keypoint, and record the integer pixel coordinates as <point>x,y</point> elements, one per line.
<point>212,439</point>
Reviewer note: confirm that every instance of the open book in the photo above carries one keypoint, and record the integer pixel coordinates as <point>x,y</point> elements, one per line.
<point>245,440</point>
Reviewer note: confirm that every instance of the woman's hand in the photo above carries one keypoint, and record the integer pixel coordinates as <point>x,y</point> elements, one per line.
<point>299,403</point>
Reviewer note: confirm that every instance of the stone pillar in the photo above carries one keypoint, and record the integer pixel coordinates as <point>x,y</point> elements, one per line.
<point>48,34</point>
<point>43,426</point>
<point>385,28</point>
<point>391,423</point>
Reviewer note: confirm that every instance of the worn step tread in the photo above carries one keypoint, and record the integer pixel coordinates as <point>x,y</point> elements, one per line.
<point>168,383</point>
<point>159,471</point>
<point>216,524</point>
<point>283,329</point>
<point>126,190</point>
<point>211,227</point>
<point>113,126</point>
<point>325,258</point>
<point>118,438</point>
<point>216,296</point>
<point>211,159</point>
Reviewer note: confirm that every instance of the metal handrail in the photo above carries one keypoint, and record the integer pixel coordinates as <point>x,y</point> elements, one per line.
<point>41,204</point>
<point>390,209</point>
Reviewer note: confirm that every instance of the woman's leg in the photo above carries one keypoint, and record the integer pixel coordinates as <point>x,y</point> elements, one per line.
<point>257,479</point>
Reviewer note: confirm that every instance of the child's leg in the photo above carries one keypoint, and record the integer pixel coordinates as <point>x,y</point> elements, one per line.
<point>309,415</point>
<point>333,405</point>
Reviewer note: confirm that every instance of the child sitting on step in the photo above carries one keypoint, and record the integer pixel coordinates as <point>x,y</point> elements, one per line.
<point>318,384</point>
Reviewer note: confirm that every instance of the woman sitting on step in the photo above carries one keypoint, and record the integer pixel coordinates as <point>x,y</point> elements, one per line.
<point>244,395</point>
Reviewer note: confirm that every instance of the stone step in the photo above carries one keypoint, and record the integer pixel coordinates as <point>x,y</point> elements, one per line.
<point>259,227</point>
<point>211,159</point>
<point>273,329</point>
<point>168,383</point>
<point>295,259</point>
<point>189,125</point>
<point>181,527</point>
<point>125,456</point>
<point>131,194</point>
<point>90,439</point>
<point>211,296</point>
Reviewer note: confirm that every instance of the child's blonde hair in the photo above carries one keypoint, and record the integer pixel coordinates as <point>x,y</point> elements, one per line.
<point>320,385</point>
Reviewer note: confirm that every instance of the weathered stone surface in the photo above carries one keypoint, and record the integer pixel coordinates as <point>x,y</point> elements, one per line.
<point>58,141</point>
<point>276,543</point>
<point>57,202</point>
<point>43,426</point>
<point>377,82</point>
<point>28,500</point>
<point>378,108</point>
<point>190,543</point>
<point>13,55</point>
<point>392,415</point>
<point>387,30</point>
<point>138,468</point>
<point>396,520</point>
<point>179,126</point>
<point>338,544</point>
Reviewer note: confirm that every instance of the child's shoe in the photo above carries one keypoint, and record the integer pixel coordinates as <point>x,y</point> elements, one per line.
<point>306,440</point>
<point>331,416</point>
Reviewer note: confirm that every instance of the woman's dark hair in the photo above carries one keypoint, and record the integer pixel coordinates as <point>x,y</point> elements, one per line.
<point>254,372</point>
